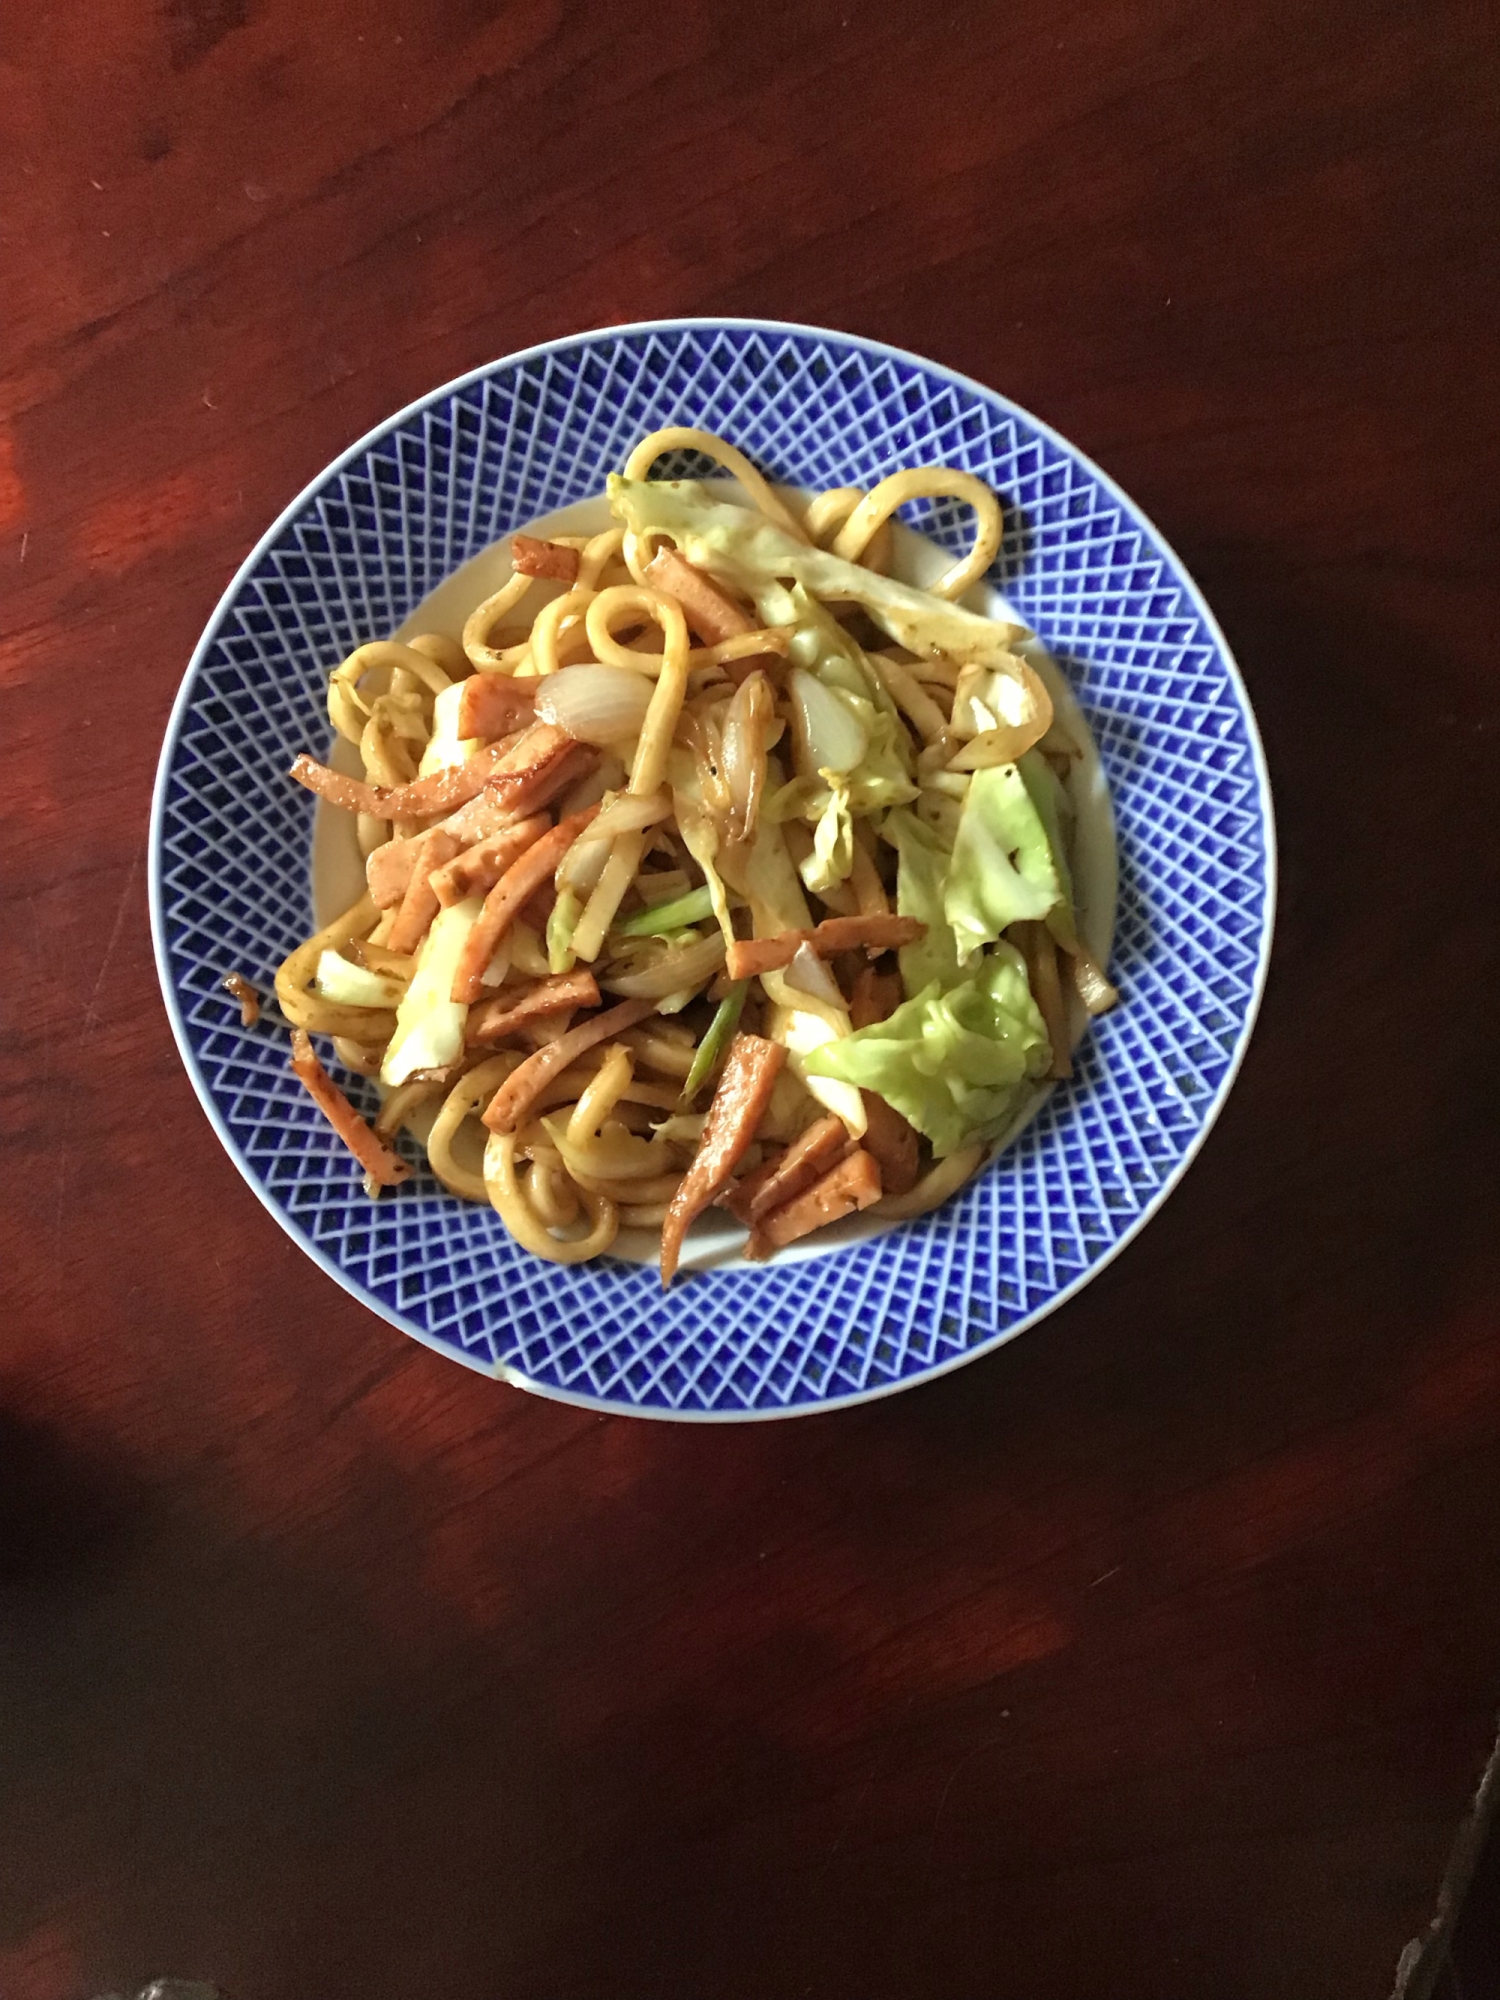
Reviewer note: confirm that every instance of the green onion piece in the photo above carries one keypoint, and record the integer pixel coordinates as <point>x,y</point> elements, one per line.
<point>673,916</point>
<point>560,928</point>
<point>720,1034</point>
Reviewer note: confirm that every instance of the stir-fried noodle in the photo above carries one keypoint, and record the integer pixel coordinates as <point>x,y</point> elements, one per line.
<point>713,865</point>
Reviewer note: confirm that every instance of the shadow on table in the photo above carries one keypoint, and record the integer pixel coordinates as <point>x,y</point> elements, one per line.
<point>60,1507</point>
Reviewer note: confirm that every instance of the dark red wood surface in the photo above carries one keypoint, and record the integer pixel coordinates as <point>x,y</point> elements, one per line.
<point>1155,1655</point>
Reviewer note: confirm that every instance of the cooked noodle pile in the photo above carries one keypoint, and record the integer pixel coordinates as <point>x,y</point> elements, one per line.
<point>713,865</point>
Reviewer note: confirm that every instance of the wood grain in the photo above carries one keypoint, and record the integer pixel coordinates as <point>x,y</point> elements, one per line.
<point>1156,1654</point>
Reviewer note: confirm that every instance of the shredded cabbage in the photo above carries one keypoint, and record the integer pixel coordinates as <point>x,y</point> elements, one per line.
<point>921,875</point>
<point>429,1023</point>
<point>747,551</point>
<point>951,1062</point>
<point>806,1031</point>
<point>823,650</point>
<point>833,844</point>
<point>762,872</point>
<point>1003,869</point>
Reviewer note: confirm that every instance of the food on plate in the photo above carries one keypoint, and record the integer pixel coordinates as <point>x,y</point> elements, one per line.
<point>237,984</point>
<point>713,865</point>
<point>381,1165</point>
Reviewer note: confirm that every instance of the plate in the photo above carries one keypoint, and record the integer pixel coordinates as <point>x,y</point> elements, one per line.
<point>373,536</point>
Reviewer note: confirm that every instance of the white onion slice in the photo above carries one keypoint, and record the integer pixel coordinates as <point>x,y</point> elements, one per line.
<point>355,985</point>
<point>747,734</point>
<point>631,812</point>
<point>583,864</point>
<point>808,974</point>
<point>600,705</point>
<point>674,972</point>
<point>829,737</point>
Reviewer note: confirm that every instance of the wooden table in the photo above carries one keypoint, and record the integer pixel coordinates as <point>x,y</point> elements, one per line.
<point>1156,1655</point>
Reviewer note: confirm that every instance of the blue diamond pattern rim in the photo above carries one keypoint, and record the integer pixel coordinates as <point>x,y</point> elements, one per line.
<point>374,533</point>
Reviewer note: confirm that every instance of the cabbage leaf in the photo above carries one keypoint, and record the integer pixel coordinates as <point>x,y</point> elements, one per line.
<point>746,550</point>
<point>954,1062</point>
<point>1003,869</point>
<point>921,875</point>
<point>833,844</point>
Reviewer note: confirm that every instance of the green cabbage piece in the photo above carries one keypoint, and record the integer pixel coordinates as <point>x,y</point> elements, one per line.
<point>953,1062</point>
<point>830,801</point>
<point>745,549</point>
<point>1007,863</point>
<point>833,844</point>
<point>1003,869</point>
<point>560,928</point>
<point>921,876</point>
<point>820,645</point>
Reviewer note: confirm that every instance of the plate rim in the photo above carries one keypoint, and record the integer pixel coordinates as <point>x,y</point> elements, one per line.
<point>502,1370</point>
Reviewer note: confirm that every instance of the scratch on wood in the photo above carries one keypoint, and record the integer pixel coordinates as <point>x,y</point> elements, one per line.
<point>877,1771</point>
<point>91,1012</point>
<point>968,1757</point>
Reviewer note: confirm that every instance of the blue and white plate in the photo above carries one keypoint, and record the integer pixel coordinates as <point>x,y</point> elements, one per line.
<point>372,536</point>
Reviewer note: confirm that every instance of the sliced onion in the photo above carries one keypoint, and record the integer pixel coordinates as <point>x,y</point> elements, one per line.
<point>631,812</point>
<point>1025,707</point>
<point>674,972</point>
<point>494,973</point>
<point>355,985</point>
<point>583,864</point>
<point>808,974</point>
<point>600,705</point>
<point>829,737</point>
<point>747,735</point>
